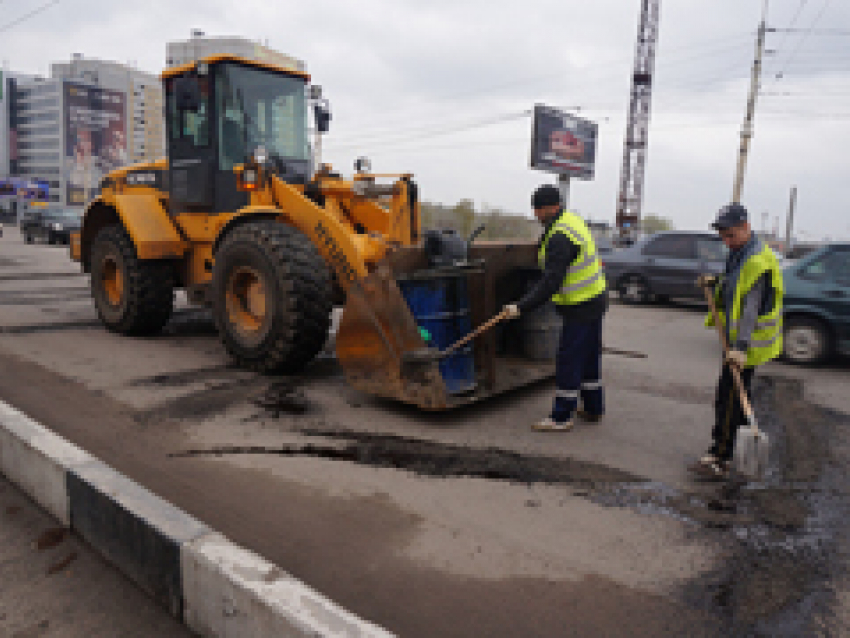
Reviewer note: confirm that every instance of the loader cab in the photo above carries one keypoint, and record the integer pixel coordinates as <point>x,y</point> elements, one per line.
<point>219,111</point>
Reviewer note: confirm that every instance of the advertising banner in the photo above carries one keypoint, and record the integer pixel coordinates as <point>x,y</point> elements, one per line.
<point>24,189</point>
<point>95,138</point>
<point>562,143</point>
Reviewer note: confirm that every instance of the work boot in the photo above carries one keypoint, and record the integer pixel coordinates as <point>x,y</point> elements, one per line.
<point>551,425</point>
<point>710,468</point>
<point>584,415</point>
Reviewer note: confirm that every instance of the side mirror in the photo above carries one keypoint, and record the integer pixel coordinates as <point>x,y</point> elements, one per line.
<point>188,94</point>
<point>322,112</point>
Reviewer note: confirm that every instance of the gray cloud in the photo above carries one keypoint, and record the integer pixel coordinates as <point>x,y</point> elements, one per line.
<point>401,73</point>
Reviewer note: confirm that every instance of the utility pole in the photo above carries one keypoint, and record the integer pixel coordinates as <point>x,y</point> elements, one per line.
<point>747,128</point>
<point>630,199</point>
<point>790,221</point>
<point>564,189</point>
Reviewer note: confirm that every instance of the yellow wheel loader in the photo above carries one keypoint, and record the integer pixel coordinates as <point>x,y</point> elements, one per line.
<point>237,217</point>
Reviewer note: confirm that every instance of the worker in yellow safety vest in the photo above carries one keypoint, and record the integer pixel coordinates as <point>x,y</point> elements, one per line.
<point>573,280</point>
<point>749,300</point>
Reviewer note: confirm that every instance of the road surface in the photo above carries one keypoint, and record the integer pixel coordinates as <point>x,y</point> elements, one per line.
<point>454,524</point>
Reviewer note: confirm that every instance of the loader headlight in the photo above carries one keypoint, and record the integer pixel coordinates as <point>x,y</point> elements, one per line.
<point>261,155</point>
<point>249,178</point>
<point>362,165</point>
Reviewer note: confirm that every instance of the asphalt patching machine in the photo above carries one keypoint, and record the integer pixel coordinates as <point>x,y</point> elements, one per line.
<point>238,217</point>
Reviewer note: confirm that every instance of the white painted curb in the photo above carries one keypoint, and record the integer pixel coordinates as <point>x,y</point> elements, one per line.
<point>233,592</point>
<point>219,589</point>
<point>37,460</point>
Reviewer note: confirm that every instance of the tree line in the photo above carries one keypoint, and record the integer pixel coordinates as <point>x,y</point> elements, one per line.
<point>500,224</point>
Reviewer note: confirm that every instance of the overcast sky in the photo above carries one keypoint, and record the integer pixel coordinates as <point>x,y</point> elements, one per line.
<point>439,88</point>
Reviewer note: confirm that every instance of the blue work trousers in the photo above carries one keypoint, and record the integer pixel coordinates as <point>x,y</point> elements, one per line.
<point>577,370</point>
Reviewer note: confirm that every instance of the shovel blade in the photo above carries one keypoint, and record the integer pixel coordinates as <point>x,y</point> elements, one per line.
<point>752,448</point>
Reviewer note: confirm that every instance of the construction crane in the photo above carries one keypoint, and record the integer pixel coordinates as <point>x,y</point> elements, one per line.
<point>630,198</point>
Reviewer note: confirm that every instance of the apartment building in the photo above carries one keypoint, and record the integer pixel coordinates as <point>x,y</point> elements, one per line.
<point>68,131</point>
<point>145,132</point>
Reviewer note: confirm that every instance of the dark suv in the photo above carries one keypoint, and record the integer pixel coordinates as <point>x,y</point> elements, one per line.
<point>664,265</point>
<point>52,224</point>
<point>817,305</point>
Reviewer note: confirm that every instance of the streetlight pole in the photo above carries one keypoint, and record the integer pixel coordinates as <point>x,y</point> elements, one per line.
<point>790,222</point>
<point>747,129</point>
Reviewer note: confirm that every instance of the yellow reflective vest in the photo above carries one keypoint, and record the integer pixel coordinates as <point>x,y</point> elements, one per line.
<point>766,339</point>
<point>584,279</point>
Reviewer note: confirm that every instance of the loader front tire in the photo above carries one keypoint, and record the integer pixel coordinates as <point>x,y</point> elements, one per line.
<point>272,297</point>
<point>132,296</point>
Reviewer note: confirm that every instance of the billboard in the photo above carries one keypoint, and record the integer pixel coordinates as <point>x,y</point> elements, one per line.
<point>563,143</point>
<point>24,189</point>
<point>95,138</point>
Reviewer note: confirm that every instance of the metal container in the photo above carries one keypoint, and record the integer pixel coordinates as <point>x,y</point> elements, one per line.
<point>439,302</point>
<point>540,332</point>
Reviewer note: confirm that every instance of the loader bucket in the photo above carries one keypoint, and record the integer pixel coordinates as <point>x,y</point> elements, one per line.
<point>378,328</point>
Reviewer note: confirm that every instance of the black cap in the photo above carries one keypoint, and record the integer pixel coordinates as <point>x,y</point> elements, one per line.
<point>730,215</point>
<point>546,195</point>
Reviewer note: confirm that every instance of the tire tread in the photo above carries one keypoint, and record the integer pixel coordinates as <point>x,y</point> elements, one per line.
<point>306,289</point>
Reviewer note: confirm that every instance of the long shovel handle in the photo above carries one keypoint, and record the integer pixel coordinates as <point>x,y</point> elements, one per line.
<point>736,374</point>
<point>745,400</point>
<point>484,326</point>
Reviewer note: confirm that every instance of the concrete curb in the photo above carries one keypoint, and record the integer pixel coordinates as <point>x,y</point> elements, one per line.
<point>213,586</point>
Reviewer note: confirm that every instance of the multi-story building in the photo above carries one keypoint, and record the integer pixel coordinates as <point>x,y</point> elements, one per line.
<point>202,46</point>
<point>90,117</point>
<point>145,134</point>
<point>8,145</point>
<point>14,192</point>
<point>35,132</point>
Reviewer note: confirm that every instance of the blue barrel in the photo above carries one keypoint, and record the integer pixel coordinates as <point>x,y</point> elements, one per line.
<point>440,304</point>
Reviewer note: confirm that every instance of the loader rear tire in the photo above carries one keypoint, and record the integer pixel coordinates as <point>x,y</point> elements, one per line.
<point>132,296</point>
<point>272,297</point>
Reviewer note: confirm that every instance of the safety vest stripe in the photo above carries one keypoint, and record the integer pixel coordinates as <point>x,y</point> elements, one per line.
<point>581,265</point>
<point>768,323</point>
<point>591,385</point>
<point>764,343</point>
<point>581,284</point>
<point>567,394</point>
<point>762,324</point>
<point>569,231</point>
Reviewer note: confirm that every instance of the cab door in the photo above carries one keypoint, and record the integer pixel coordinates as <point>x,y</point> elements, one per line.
<point>191,152</point>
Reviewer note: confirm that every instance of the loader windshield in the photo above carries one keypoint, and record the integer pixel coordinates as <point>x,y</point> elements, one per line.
<point>257,107</point>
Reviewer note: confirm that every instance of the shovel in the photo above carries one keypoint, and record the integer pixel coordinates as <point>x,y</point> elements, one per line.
<point>751,443</point>
<point>411,360</point>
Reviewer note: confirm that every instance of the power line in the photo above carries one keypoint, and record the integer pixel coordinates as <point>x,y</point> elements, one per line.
<point>793,22</point>
<point>802,40</point>
<point>437,132</point>
<point>712,46</point>
<point>816,31</point>
<point>660,125</point>
<point>31,14</point>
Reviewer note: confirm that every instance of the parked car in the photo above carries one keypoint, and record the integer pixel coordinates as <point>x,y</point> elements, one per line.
<point>604,245</point>
<point>52,224</point>
<point>664,265</point>
<point>817,305</point>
